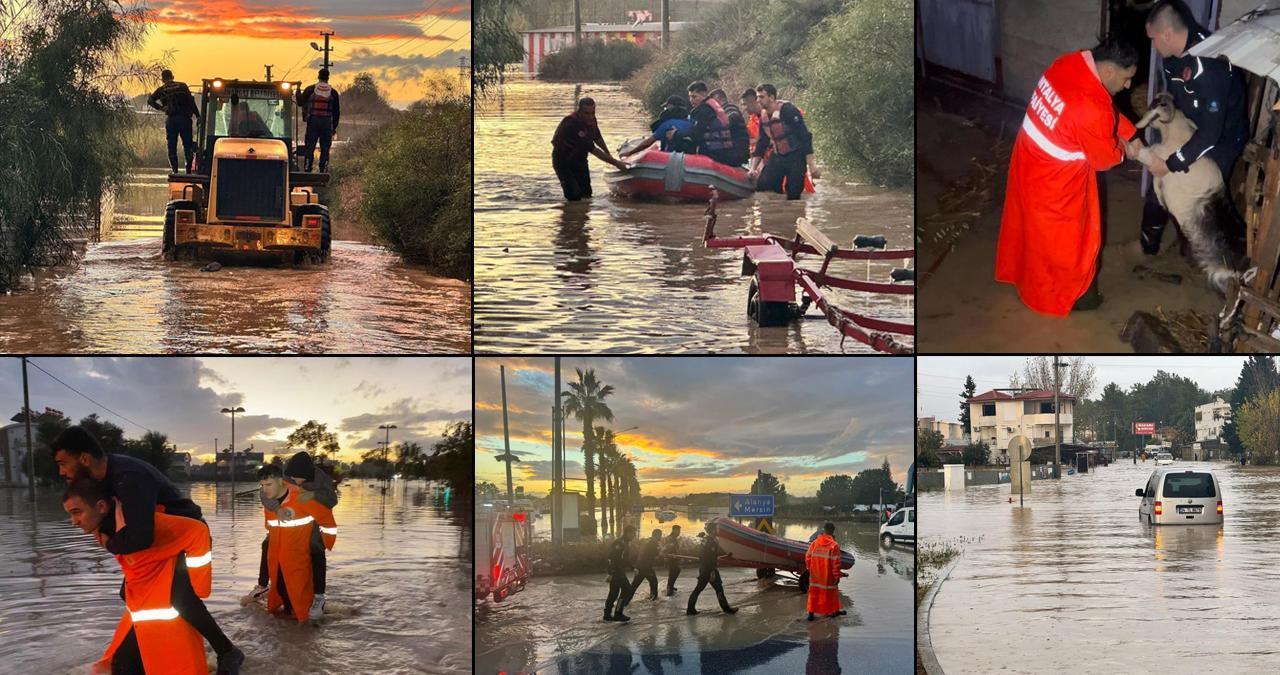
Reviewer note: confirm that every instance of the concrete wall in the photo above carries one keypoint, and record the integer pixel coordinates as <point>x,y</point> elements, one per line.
<point>1035,32</point>
<point>932,479</point>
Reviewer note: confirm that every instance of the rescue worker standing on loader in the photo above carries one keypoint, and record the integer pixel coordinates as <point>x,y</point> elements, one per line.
<point>1210,92</point>
<point>174,99</point>
<point>151,636</point>
<point>1051,228</point>
<point>619,587</point>
<point>823,562</point>
<point>708,573</point>
<point>782,128</point>
<point>289,532</point>
<point>141,492</point>
<point>320,109</point>
<point>671,549</point>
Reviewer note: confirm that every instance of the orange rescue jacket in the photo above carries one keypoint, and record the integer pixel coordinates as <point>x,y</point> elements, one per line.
<point>289,549</point>
<point>168,643</point>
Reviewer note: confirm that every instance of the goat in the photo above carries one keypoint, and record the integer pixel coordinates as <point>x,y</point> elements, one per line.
<point>1197,198</point>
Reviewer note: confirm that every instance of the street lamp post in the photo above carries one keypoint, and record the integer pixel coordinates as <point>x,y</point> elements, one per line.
<point>233,412</point>
<point>386,446</point>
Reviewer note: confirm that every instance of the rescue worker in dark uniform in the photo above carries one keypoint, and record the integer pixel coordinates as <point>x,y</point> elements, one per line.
<point>619,587</point>
<point>644,566</point>
<point>741,149</point>
<point>710,135</point>
<point>174,99</point>
<point>782,127</point>
<point>140,489</point>
<point>1210,92</point>
<point>321,110</point>
<point>708,573</point>
<point>671,549</point>
<point>577,136</point>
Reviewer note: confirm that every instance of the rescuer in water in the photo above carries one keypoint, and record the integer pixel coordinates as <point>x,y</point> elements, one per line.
<point>708,573</point>
<point>577,136</point>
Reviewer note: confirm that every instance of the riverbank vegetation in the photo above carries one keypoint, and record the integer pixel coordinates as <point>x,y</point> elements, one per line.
<point>64,127</point>
<point>847,63</point>
<point>595,61</point>
<point>409,181</point>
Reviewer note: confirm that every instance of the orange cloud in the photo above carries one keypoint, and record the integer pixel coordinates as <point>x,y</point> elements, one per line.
<point>497,407</point>
<point>655,446</point>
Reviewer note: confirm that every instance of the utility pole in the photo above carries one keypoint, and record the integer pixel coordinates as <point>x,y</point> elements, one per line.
<point>268,72</point>
<point>386,447</point>
<point>31,448</point>
<point>577,23</point>
<point>233,412</point>
<point>462,73</point>
<point>1057,428</point>
<point>557,472</point>
<point>326,49</point>
<point>666,25</point>
<point>506,438</point>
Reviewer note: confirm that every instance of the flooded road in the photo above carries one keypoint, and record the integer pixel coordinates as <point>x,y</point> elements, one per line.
<point>614,275</point>
<point>397,581</point>
<point>1074,582</point>
<point>555,625</point>
<point>123,297</point>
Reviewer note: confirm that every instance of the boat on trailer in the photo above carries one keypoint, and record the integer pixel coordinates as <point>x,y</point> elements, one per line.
<point>678,176</point>
<point>768,553</point>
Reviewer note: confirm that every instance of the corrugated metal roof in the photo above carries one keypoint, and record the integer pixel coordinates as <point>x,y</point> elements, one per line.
<point>1251,42</point>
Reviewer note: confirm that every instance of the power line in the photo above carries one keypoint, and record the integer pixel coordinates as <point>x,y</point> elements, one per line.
<point>86,396</point>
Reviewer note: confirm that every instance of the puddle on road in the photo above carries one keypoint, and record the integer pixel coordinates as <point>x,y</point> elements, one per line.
<point>1074,582</point>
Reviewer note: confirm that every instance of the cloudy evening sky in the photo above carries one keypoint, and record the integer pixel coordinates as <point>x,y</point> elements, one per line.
<point>399,41</point>
<point>707,424</point>
<point>181,397</point>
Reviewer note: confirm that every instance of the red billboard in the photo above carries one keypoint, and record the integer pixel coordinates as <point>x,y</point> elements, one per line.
<point>1144,428</point>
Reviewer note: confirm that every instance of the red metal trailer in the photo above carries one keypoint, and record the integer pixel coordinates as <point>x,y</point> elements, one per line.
<point>773,262</point>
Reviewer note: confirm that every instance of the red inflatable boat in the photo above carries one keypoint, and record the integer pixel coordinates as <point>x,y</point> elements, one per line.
<point>679,176</point>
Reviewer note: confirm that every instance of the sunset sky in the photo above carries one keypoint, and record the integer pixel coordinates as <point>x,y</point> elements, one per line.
<point>707,424</point>
<point>182,396</point>
<point>399,41</point>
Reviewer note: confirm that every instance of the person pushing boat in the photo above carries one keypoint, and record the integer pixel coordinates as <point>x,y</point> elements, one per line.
<point>577,136</point>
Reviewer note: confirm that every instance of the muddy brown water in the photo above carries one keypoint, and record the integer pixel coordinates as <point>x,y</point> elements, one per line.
<point>616,275</point>
<point>1074,582</point>
<point>555,624</point>
<point>123,297</point>
<point>398,582</point>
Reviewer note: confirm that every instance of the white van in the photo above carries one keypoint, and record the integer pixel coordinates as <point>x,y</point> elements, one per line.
<point>1181,497</point>
<point>901,526</point>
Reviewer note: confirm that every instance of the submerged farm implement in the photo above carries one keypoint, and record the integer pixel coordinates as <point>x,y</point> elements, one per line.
<point>773,263</point>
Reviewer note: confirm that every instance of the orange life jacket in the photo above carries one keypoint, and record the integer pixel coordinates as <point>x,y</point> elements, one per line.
<point>168,643</point>
<point>718,137</point>
<point>289,549</point>
<point>320,103</point>
<point>753,131</point>
<point>823,562</point>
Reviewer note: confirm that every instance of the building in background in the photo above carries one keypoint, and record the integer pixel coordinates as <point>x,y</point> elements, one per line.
<point>1210,418</point>
<point>13,454</point>
<point>996,416</point>
<point>951,431</point>
<point>540,42</point>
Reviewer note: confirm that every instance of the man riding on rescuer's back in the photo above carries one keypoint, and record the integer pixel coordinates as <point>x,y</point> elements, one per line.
<point>289,531</point>
<point>141,492</point>
<point>1051,229</point>
<point>151,637</point>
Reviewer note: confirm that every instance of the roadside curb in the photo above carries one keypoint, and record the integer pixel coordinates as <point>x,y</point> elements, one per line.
<point>924,643</point>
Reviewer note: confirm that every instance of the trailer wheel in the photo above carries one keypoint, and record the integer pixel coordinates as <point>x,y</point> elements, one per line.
<point>765,572</point>
<point>766,314</point>
<point>886,539</point>
<point>804,582</point>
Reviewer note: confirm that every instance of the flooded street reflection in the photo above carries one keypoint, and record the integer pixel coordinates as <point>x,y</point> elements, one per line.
<point>614,275</point>
<point>554,625</point>
<point>123,297</point>
<point>397,584</point>
<point>1074,582</point>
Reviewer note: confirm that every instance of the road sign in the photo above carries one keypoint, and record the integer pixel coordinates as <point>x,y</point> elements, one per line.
<point>1019,449</point>
<point>742,506</point>
<point>1144,428</point>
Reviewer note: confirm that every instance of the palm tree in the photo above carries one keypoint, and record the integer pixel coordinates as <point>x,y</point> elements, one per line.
<point>585,400</point>
<point>604,470</point>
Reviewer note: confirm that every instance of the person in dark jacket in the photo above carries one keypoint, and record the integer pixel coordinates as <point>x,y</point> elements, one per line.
<point>741,149</point>
<point>321,110</point>
<point>577,136</point>
<point>671,549</point>
<point>708,573</point>
<point>644,566</point>
<point>317,485</point>
<point>670,131</point>
<point>1210,92</point>
<point>140,489</point>
<point>710,135</point>
<point>619,563</point>
<point>782,127</point>
<point>174,99</point>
